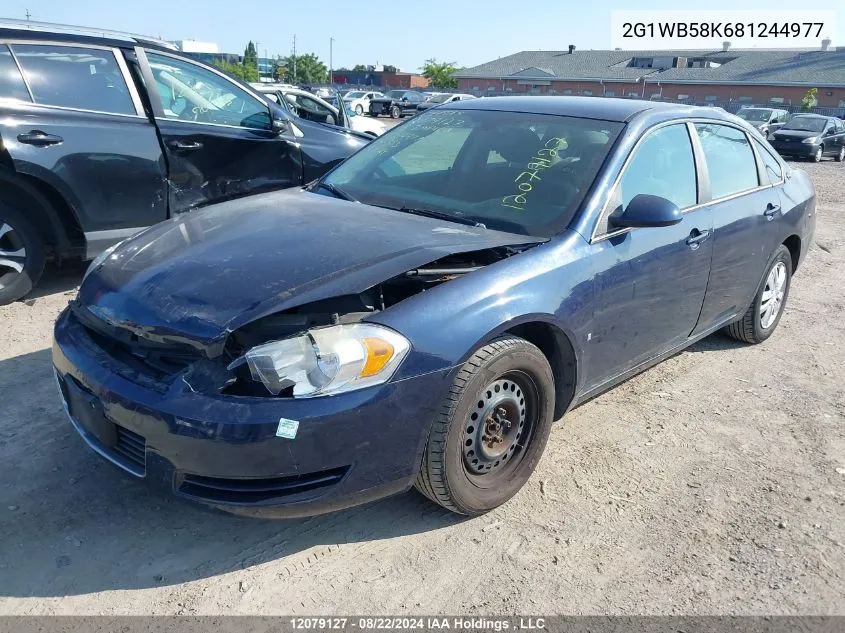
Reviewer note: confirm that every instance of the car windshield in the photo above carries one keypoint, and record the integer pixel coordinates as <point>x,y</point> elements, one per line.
<point>396,94</point>
<point>438,98</point>
<point>754,114</point>
<point>353,95</point>
<point>805,124</point>
<point>511,171</point>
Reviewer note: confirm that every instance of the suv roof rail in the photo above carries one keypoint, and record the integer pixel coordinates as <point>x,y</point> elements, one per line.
<point>68,29</point>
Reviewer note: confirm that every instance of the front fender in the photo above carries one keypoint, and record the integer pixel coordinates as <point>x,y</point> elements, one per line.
<point>551,283</point>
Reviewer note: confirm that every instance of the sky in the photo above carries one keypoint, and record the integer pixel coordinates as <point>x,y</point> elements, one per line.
<point>401,34</point>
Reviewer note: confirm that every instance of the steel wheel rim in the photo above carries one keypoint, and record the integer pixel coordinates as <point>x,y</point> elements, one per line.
<point>771,302</point>
<point>499,427</point>
<point>12,254</point>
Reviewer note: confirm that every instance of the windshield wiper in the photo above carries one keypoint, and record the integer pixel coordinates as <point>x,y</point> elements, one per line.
<point>430,213</point>
<point>338,193</point>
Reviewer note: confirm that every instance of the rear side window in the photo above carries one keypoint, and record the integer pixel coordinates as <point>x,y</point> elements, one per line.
<point>730,160</point>
<point>774,172</point>
<point>12,85</point>
<point>662,165</point>
<point>72,77</point>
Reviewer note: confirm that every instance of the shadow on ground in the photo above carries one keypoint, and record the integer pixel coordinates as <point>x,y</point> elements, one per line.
<point>56,279</point>
<point>72,523</point>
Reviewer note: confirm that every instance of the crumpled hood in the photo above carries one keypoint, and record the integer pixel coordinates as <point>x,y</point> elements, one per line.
<point>198,276</point>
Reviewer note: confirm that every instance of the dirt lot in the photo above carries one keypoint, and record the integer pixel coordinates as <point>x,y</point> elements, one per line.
<point>713,483</point>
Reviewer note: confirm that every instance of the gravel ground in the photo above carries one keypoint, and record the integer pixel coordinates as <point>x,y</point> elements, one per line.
<point>712,484</point>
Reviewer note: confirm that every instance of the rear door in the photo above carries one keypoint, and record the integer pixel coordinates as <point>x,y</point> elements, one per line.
<point>217,135</point>
<point>79,126</point>
<point>746,208</point>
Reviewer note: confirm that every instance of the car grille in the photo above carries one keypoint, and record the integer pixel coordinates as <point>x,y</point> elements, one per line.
<point>247,491</point>
<point>131,446</point>
<point>157,363</point>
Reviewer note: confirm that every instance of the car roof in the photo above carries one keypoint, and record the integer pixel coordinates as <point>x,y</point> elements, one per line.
<point>46,31</point>
<point>604,108</point>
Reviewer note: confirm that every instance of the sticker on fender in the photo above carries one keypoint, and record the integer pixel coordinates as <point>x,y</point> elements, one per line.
<point>287,428</point>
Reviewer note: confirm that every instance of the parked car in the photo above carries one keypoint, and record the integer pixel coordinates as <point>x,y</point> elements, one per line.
<point>811,136</point>
<point>396,103</point>
<point>425,311</point>
<point>90,156</point>
<point>766,120</point>
<point>441,99</point>
<point>308,106</point>
<point>359,100</point>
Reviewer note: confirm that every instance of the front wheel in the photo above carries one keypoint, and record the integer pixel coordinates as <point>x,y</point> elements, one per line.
<point>491,429</point>
<point>359,109</point>
<point>817,157</point>
<point>21,254</point>
<point>395,112</point>
<point>841,155</point>
<point>763,315</point>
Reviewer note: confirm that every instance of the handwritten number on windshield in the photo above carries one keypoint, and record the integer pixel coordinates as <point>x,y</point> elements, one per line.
<point>524,181</point>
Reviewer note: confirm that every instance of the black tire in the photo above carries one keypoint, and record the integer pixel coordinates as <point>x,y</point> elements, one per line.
<point>817,157</point>
<point>18,233</point>
<point>359,109</point>
<point>749,329</point>
<point>841,155</point>
<point>446,476</point>
<point>395,112</point>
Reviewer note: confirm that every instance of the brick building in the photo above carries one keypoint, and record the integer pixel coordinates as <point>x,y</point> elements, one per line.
<point>380,79</point>
<point>775,77</point>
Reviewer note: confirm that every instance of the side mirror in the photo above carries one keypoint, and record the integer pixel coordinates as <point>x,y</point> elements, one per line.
<point>281,126</point>
<point>645,210</point>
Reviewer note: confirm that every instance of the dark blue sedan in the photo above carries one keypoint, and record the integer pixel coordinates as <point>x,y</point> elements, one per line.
<point>422,314</point>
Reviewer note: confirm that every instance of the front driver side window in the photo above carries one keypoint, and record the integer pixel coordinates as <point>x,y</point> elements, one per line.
<point>662,165</point>
<point>189,92</point>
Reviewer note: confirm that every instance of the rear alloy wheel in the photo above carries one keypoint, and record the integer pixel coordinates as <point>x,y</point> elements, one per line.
<point>491,430</point>
<point>841,155</point>
<point>395,112</point>
<point>359,109</point>
<point>763,315</point>
<point>21,255</point>
<point>817,157</point>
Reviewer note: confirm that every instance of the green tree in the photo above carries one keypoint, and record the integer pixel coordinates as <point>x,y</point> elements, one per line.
<point>309,69</point>
<point>360,68</point>
<point>440,74</point>
<point>246,73</point>
<point>250,56</point>
<point>809,100</point>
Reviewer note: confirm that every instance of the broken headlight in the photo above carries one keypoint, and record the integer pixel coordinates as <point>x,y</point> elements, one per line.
<point>328,360</point>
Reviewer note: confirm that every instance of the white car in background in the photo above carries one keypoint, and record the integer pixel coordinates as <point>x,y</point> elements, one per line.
<point>303,104</point>
<point>440,98</point>
<point>359,100</point>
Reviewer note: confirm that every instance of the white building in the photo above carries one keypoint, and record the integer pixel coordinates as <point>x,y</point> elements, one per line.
<point>195,46</point>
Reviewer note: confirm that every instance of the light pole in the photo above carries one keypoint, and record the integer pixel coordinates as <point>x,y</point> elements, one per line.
<point>257,65</point>
<point>331,66</point>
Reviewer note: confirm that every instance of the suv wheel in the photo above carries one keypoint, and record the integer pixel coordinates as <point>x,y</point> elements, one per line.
<point>21,255</point>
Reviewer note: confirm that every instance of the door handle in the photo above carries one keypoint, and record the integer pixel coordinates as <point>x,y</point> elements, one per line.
<point>771,210</point>
<point>39,138</point>
<point>185,146</point>
<point>696,238</point>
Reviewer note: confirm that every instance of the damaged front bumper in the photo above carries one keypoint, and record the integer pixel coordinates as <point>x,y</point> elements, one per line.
<point>224,450</point>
